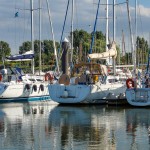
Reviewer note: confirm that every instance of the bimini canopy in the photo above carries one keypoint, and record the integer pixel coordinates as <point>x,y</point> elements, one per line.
<point>112,52</point>
<point>82,68</point>
<point>21,57</point>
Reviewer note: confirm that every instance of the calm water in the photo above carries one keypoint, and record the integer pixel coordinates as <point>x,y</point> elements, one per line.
<point>53,127</point>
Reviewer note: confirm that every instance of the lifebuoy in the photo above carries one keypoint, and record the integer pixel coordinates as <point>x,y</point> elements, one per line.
<point>1,77</point>
<point>49,77</point>
<point>129,83</point>
<point>34,88</point>
<point>42,87</point>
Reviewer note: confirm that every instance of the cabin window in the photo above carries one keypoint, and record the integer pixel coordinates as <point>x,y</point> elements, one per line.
<point>112,80</point>
<point>32,79</point>
<point>39,79</point>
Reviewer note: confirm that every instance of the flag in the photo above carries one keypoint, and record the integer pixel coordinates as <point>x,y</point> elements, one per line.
<point>16,14</point>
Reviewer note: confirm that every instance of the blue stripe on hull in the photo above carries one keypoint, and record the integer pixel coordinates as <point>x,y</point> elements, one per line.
<point>25,99</point>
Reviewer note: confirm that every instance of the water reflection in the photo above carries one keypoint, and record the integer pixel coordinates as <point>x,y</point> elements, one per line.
<point>92,127</point>
<point>138,127</point>
<point>22,126</point>
<point>45,126</point>
<point>100,127</point>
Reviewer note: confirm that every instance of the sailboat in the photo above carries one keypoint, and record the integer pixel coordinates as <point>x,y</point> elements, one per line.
<point>139,95</point>
<point>90,82</point>
<point>15,86</point>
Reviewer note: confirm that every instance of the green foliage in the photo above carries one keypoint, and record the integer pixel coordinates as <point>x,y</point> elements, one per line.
<point>81,45</point>
<point>100,35</point>
<point>26,46</point>
<point>142,50</point>
<point>82,41</point>
<point>47,51</point>
<point>4,49</point>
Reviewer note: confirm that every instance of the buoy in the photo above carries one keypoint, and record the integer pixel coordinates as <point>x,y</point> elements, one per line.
<point>49,77</point>
<point>129,83</point>
<point>1,77</point>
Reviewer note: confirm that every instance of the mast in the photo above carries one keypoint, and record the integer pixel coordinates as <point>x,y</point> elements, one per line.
<point>131,38</point>
<point>136,28</point>
<point>114,34</point>
<point>107,25</point>
<point>107,28</point>
<point>32,37</point>
<point>64,22</point>
<point>123,45</point>
<point>147,67</point>
<point>114,20</point>
<point>135,20</point>
<point>51,26</point>
<point>92,41</point>
<point>72,18</point>
<point>39,37</point>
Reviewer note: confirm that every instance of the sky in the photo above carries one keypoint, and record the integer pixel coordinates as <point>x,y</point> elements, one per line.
<point>16,30</point>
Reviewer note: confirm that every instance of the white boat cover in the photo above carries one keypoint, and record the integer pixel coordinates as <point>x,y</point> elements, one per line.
<point>112,52</point>
<point>104,70</point>
<point>29,55</point>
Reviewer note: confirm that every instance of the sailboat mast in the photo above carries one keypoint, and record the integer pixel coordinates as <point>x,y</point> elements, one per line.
<point>136,28</point>
<point>107,25</point>
<point>135,20</point>
<point>114,34</point>
<point>107,29</point>
<point>114,20</point>
<point>131,38</point>
<point>39,37</point>
<point>93,36</point>
<point>32,37</point>
<point>51,26</point>
<point>72,18</point>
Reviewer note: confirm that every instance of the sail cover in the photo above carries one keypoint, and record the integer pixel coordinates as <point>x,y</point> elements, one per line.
<point>112,52</point>
<point>21,57</point>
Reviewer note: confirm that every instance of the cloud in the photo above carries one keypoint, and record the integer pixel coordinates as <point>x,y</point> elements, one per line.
<point>17,30</point>
<point>143,11</point>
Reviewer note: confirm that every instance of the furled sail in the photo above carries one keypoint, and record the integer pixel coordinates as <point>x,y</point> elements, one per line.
<point>21,57</point>
<point>112,52</point>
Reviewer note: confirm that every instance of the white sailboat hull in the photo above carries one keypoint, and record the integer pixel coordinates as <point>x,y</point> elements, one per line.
<point>17,92</point>
<point>93,93</point>
<point>105,92</point>
<point>75,93</point>
<point>138,96</point>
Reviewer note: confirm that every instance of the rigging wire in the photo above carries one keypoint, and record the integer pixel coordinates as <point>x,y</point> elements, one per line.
<point>77,24</point>
<point>76,14</point>
<point>93,36</point>
<point>60,54</point>
<point>15,28</point>
<point>24,16</point>
<point>140,19</point>
<point>144,48</point>
<point>122,27</point>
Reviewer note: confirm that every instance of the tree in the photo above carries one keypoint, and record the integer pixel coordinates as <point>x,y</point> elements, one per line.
<point>4,49</point>
<point>47,51</point>
<point>26,46</point>
<point>82,41</point>
<point>141,50</point>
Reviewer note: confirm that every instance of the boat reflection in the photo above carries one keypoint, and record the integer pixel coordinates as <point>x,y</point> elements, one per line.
<point>90,126</point>
<point>138,127</point>
<point>45,126</point>
<point>99,126</point>
<point>22,125</point>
